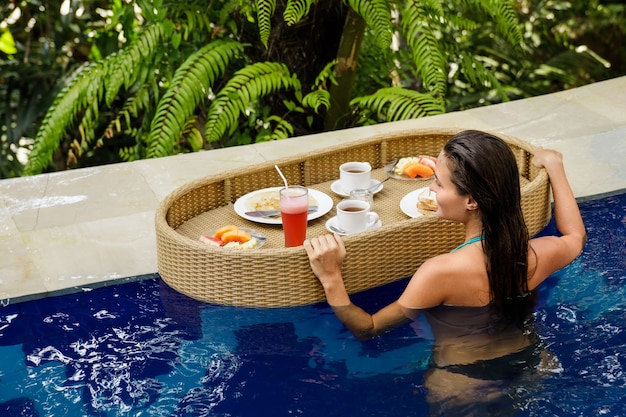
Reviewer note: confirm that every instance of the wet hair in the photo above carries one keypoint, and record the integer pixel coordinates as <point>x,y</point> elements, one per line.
<point>484,167</point>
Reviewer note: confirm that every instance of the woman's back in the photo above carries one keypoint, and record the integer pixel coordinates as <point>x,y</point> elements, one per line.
<point>465,335</point>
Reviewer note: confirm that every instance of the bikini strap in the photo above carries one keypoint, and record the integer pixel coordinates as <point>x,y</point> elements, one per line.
<point>469,242</point>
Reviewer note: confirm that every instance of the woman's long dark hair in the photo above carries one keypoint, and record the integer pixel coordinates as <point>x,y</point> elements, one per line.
<point>484,167</point>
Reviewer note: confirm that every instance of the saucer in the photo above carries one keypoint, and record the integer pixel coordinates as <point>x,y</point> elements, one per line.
<point>336,188</point>
<point>333,222</point>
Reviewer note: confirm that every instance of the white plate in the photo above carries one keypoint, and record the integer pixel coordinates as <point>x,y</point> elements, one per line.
<point>324,204</point>
<point>408,204</point>
<point>333,222</point>
<point>389,171</point>
<point>336,188</point>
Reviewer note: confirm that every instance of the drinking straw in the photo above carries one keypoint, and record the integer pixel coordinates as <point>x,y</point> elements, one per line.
<point>281,175</point>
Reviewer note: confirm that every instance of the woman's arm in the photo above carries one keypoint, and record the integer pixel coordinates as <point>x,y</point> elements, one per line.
<point>553,253</point>
<point>326,254</point>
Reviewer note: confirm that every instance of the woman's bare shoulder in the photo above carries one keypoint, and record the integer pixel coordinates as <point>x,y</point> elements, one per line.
<point>437,280</point>
<point>548,254</point>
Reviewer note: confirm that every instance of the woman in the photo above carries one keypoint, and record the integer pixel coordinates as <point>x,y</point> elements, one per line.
<point>473,297</point>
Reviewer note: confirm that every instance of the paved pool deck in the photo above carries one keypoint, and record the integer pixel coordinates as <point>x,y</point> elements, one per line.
<point>74,229</point>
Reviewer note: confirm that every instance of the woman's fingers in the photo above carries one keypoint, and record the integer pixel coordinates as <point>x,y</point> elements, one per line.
<point>326,254</point>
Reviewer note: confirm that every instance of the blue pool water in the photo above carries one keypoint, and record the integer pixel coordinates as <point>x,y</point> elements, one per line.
<point>141,349</point>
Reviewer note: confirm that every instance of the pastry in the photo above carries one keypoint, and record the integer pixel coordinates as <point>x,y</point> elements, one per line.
<point>426,204</point>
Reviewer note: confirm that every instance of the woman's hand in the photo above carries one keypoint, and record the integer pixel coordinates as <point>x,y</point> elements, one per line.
<point>547,158</point>
<point>326,254</point>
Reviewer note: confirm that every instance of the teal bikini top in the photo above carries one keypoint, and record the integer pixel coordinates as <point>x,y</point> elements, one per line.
<point>469,242</point>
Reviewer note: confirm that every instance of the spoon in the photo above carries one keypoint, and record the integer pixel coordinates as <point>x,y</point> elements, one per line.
<point>337,229</point>
<point>375,186</point>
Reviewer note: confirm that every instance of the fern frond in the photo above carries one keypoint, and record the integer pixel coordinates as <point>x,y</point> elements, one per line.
<point>317,98</point>
<point>132,153</point>
<point>430,61</point>
<point>377,15</point>
<point>432,8</point>
<point>192,17</point>
<point>265,11</point>
<point>77,95</point>
<point>190,85</point>
<point>327,73</point>
<point>283,130</point>
<point>103,79</point>
<point>127,154</point>
<point>397,103</point>
<point>86,129</point>
<point>295,10</point>
<point>461,22</point>
<point>505,16</point>
<point>245,87</point>
<point>194,139</point>
<point>320,96</point>
<point>478,74</point>
<point>125,67</point>
<point>228,8</point>
<point>133,106</point>
<point>195,22</point>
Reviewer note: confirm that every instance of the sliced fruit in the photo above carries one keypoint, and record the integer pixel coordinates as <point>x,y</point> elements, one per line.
<point>219,232</point>
<point>429,161</point>
<point>237,235</point>
<point>211,240</point>
<point>416,169</point>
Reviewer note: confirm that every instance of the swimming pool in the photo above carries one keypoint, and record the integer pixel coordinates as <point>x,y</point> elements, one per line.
<point>141,349</point>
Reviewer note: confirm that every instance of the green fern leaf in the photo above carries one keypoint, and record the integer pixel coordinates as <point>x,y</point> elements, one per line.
<point>430,61</point>
<point>478,74</point>
<point>194,138</point>
<point>245,87</point>
<point>282,130</point>
<point>317,99</point>
<point>377,15</point>
<point>505,16</point>
<point>295,10</point>
<point>265,11</point>
<point>327,73</point>
<point>141,101</point>
<point>87,125</point>
<point>131,153</point>
<point>77,96</point>
<point>188,88</point>
<point>125,65</point>
<point>432,7</point>
<point>397,103</point>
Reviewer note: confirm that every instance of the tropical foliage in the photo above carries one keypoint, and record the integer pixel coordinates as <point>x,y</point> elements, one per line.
<point>117,80</point>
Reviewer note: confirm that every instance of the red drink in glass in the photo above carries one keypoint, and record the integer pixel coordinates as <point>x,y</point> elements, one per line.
<point>294,206</point>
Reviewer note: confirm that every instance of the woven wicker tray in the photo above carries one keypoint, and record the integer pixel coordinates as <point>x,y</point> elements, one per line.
<point>275,276</point>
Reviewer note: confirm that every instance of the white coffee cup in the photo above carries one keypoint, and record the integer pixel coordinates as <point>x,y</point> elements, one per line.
<point>355,216</point>
<point>355,176</point>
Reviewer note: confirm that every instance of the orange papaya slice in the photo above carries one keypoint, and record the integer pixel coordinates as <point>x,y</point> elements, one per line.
<point>415,169</point>
<point>238,235</point>
<point>219,232</point>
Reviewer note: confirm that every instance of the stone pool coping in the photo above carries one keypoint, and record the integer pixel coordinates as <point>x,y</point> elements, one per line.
<point>73,229</point>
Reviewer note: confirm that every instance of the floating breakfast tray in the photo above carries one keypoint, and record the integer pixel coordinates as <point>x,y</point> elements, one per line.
<point>275,276</point>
